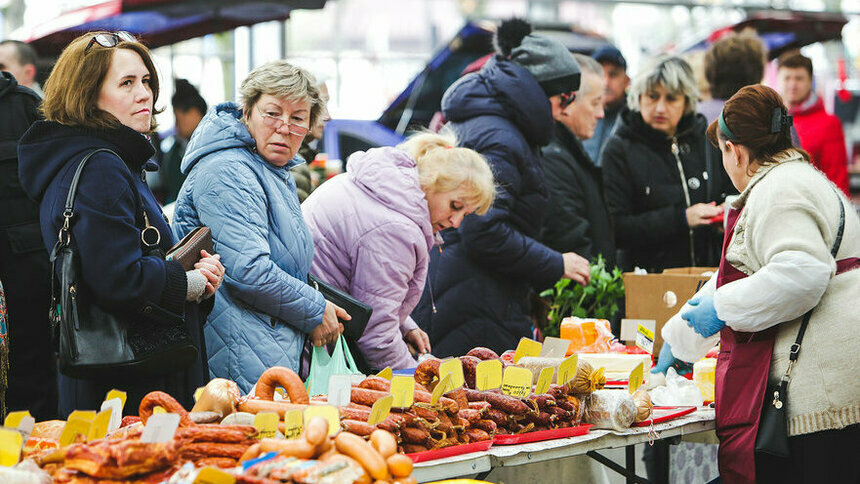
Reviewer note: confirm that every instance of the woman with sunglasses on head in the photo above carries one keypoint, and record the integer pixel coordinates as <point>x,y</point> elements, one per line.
<point>786,290</point>
<point>102,93</point>
<point>239,184</point>
<point>658,189</point>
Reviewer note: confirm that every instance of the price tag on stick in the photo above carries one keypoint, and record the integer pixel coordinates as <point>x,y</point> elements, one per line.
<point>117,394</point>
<point>403,391</point>
<point>100,425</point>
<point>454,368</point>
<point>636,377</point>
<point>339,390</point>
<point>386,373</point>
<point>210,475</point>
<point>293,424</point>
<point>78,424</point>
<point>380,410</point>
<point>160,428</point>
<point>544,379</point>
<point>14,419</point>
<point>10,446</point>
<point>444,386</point>
<point>488,375</point>
<point>566,370</point>
<point>554,347</point>
<point>527,347</point>
<point>266,424</point>
<point>115,406</point>
<point>517,381</point>
<point>327,412</point>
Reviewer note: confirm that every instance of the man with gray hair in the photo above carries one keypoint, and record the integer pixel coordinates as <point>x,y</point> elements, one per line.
<point>20,59</point>
<point>578,220</point>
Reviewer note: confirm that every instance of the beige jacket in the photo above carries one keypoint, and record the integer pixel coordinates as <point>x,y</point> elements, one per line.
<point>791,206</point>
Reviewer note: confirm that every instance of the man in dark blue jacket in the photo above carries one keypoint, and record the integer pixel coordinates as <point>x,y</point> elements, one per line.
<point>477,291</point>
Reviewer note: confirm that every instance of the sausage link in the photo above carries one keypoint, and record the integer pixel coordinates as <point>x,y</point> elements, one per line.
<point>283,377</point>
<point>412,435</point>
<point>427,371</point>
<point>376,383</point>
<point>498,416</point>
<point>225,434</point>
<point>363,396</point>
<point>413,448</point>
<point>486,425</point>
<point>472,416</point>
<point>505,403</point>
<point>357,427</point>
<point>541,419</point>
<point>219,462</point>
<point>483,353</point>
<point>477,435</point>
<point>165,401</point>
<point>544,401</point>
<point>482,406</point>
<point>202,450</point>
<point>459,396</point>
<point>470,365</point>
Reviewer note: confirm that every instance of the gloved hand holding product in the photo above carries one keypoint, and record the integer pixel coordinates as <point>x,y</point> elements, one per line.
<point>703,317</point>
<point>665,360</point>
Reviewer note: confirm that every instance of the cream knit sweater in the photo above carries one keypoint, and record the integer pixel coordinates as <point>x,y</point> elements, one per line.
<point>790,207</point>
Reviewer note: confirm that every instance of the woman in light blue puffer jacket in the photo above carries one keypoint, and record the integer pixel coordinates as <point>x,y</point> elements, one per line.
<point>239,185</point>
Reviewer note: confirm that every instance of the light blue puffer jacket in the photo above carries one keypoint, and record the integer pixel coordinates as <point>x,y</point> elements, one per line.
<point>264,309</point>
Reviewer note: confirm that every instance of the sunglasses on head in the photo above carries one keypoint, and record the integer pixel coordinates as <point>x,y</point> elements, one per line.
<point>111,39</point>
<point>567,98</point>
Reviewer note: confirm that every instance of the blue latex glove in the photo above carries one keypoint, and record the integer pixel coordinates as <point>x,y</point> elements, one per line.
<point>703,317</point>
<point>665,360</point>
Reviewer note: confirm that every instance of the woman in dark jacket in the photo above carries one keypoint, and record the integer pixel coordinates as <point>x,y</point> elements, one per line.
<point>101,94</point>
<point>478,284</point>
<point>655,175</point>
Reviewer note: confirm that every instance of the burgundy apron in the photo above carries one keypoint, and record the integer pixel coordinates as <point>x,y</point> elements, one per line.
<point>743,366</point>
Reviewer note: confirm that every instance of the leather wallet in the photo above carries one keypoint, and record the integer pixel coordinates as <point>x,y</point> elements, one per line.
<point>360,312</point>
<point>187,250</point>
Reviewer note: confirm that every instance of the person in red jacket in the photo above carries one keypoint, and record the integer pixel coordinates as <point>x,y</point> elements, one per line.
<point>820,133</point>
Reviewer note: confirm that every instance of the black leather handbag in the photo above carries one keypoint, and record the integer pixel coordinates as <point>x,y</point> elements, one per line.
<point>354,328</point>
<point>772,436</point>
<point>95,343</point>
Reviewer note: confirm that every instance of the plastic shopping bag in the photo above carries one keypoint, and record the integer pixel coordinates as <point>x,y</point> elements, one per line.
<point>324,366</point>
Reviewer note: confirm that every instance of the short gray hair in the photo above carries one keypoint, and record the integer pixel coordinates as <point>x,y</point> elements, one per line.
<point>673,73</point>
<point>587,65</point>
<point>284,81</point>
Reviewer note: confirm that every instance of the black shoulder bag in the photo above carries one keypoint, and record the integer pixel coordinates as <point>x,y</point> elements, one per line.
<point>95,343</point>
<point>772,436</point>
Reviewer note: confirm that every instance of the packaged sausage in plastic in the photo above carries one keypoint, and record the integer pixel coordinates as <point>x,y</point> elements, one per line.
<point>610,409</point>
<point>643,404</point>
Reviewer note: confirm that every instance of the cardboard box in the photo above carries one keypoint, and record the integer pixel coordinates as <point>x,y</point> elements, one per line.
<point>659,296</point>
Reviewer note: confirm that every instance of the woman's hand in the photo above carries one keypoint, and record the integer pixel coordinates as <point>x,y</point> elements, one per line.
<point>702,213</point>
<point>330,329</point>
<point>210,266</point>
<point>418,340</point>
<point>577,268</point>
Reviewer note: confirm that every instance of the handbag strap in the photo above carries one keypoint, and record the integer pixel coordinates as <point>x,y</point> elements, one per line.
<point>795,348</point>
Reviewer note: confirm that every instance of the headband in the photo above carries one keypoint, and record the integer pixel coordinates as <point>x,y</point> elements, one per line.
<point>725,128</point>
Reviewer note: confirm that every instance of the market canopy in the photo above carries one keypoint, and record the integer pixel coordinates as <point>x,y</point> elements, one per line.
<point>157,22</point>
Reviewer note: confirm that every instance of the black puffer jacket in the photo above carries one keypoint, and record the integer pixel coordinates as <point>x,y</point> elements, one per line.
<point>481,279</point>
<point>646,198</point>
<point>577,219</point>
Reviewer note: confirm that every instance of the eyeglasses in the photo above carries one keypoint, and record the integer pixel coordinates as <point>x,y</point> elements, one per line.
<point>567,98</point>
<point>275,123</point>
<point>111,39</point>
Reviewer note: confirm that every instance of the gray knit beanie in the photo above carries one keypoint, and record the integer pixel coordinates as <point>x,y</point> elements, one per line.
<point>550,62</point>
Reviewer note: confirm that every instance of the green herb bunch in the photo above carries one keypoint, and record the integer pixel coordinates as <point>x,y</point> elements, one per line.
<point>599,299</point>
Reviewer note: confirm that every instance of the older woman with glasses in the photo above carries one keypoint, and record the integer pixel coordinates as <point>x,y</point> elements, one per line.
<point>239,184</point>
<point>102,94</point>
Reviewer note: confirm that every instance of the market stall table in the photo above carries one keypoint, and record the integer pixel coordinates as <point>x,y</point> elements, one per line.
<point>481,463</point>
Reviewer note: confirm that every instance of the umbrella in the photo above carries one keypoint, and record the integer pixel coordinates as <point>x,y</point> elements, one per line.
<point>157,22</point>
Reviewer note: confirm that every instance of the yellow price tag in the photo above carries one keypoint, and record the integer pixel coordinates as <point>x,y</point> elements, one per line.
<point>327,412</point>
<point>453,367</point>
<point>566,370</point>
<point>197,394</point>
<point>386,373</point>
<point>78,424</point>
<point>517,381</point>
<point>117,394</point>
<point>488,375</point>
<point>13,420</point>
<point>544,379</point>
<point>444,386</point>
<point>293,424</point>
<point>210,475</point>
<point>158,409</point>
<point>99,426</point>
<point>10,447</point>
<point>527,347</point>
<point>636,377</point>
<point>266,424</point>
<point>403,391</point>
<point>380,410</point>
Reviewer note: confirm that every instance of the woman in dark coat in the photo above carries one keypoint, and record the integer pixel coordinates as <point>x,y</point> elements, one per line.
<point>101,94</point>
<point>478,284</point>
<point>655,175</point>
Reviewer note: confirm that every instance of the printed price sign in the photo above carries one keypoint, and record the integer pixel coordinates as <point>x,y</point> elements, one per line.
<point>100,425</point>
<point>339,390</point>
<point>266,424</point>
<point>10,446</point>
<point>197,394</point>
<point>160,428</point>
<point>78,424</point>
<point>544,379</point>
<point>117,394</point>
<point>444,386</point>
<point>386,373</point>
<point>293,424</point>
<point>554,347</point>
<point>115,407</point>
<point>636,377</point>
<point>527,347</point>
<point>454,368</point>
<point>645,338</point>
<point>403,391</point>
<point>566,370</point>
<point>517,382</point>
<point>380,410</point>
<point>327,412</point>
<point>488,375</point>
<point>210,475</point>
<point>13,420</point>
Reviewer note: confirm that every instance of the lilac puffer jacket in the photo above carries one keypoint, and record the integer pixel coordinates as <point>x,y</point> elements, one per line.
<point>372,237</point>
